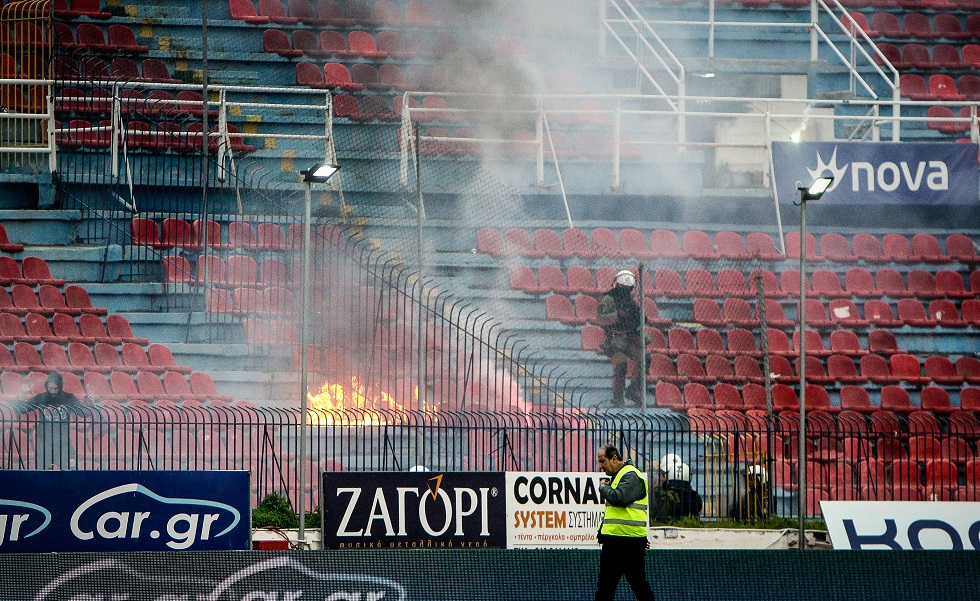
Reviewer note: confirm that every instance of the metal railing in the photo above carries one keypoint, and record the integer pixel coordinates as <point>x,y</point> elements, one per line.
<point>879,456</point>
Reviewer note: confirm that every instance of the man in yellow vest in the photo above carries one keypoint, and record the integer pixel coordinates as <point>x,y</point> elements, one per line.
<point>623,530</point>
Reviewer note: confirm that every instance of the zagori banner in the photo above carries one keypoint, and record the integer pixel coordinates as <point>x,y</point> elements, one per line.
<point>53,511</point>
<point>553,509</point>
<point>903,525</point>
<point>415,510</point>
<point>879,172</point>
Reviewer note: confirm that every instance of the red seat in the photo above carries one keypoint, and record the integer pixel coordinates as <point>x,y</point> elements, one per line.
<point>917,25</point>
<point>913,313</point>
<point>859,21</point>
<point>731,282</point>
<point>123,39</point>
<point>605,243</point>
<point>742,342</point>
<point>203,385</point>
<point>738,312</point>
<point>907,368</point>
<point>747,369</point>
<point>730,245</point>
<point>971,311</point>
<point>700,282</point>
<point>244,10</point>
<point>523,278</point>
<point>827,284</point>
<point>518,242</point>
<point>633,243</point>
<point>949,27</point>
<point>890,283</point>
<point>914,87</point>
<point>552,278</point>
<point>834,247</point>
<point>888,25</point>
<point>916,56</point>
<point>856,398</point>
<point>879,313</point>
<point>770,283</point>
<point>867,247</point>
<point>548,243</point>
<point>841,369</point>
<point>875,369</point>
<point>661,369</point>
<point>668,395</point>
<point>689,367</point>
<point>896,399</point>
<point>945,314</point>
<point>592,338</point>
<point>37,272</point>
<point>774,314</point>
<point>697,244</point>
<point>961,248</point>
<point>78,298</point>
<point>489,242</point>
<point>577,242</point>
<point>586,308</point>
<point>707,312</point>
<point>559,307</point>
<point>309,74</point>
<point>846,342</point>
<point>118,327</point>
<point>760,245</point>
<point>948,283</point>
<point>680,340</point>
<point>664,243</point>
<point>793,247</point>
<point>667,282</point>
<point>717,368</point>
<point>843,312</point>
<point>276,41</point>
<point>814,343</point>
<point>816,314</point>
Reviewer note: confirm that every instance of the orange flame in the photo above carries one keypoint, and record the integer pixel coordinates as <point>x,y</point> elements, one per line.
<point>377,406</point>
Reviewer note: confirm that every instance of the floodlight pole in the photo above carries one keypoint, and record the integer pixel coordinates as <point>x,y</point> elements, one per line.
<point>304,360</point>
<point>813,192</point>
<point>319,173</point>
<point>801,477</point>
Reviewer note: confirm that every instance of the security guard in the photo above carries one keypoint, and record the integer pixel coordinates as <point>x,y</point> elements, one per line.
<point>623,530</point>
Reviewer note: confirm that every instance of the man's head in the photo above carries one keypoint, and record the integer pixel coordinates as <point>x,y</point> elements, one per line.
<point>54,384</point>
<point>610,459</point>
<point>625,279</point>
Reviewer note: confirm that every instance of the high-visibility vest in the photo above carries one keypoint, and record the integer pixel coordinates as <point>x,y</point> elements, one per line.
<point>630,520</point>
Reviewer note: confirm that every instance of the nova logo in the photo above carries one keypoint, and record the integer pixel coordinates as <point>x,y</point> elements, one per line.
<point>20,520</point>
<point>139,512</point>
<point>886,175</point>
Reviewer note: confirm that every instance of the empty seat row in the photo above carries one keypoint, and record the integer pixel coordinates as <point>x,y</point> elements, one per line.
<point>740,341</point>
<point>141,135</point>
<point>28,66</point>
<point>235,272</point>
<point>371,107</point>
<point>91,38</point>
<point>840,313</point>
<point>74,9</point>
<point>48,300</point>
<point>874,369</point>
<point>175,232</point>
<point>698,282</point>
<point>853,399</point>
<point>696,244</point>
<point>121,68</point>
<point>941,57</point>
<point>118,386</point>
<point>89,329</point>
<point>32,271</point>
<point>356,44</point>
<point>272,301</point>
<point>917,25</point>
<point>943,119</point>
<point>939,87</point>
<point>80,357</point>
<point>380,13</point>
<point>158,103</point>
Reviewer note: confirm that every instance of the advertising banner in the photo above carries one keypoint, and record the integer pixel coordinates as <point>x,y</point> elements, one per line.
<point>553,509</point>
<point>392,510</point>
<point>879,172</point>
<point>48,511</point>
<point>903,525</point>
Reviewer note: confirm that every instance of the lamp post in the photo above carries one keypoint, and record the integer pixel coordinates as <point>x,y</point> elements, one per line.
<point>316,174</point>
<point>813,192</point>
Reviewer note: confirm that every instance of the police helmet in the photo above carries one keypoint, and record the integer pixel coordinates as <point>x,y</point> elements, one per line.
<point>681,471</point>
<point>625,278</point>
<point>759,471</point>
<point>668,463</point>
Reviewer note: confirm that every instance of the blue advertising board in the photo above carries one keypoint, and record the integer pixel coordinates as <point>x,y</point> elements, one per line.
<point>414,510</point>
<point>49,511</point>
<point>880,172</point>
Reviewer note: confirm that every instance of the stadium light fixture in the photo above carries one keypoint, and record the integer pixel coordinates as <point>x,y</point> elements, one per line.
<point>812,192</point>
<point>317,174</point>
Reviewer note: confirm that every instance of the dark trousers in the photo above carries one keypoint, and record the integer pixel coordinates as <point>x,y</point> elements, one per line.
<point>623,556</point>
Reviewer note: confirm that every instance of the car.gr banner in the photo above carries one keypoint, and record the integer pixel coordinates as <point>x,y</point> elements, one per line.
<point>53,511</point>
<point>903,525</point>
<point>879,172</point>
<point>393,510</point>
<point>553,509</point>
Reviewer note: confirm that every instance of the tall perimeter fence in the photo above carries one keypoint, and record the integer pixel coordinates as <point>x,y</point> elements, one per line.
<point>266,442</point>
